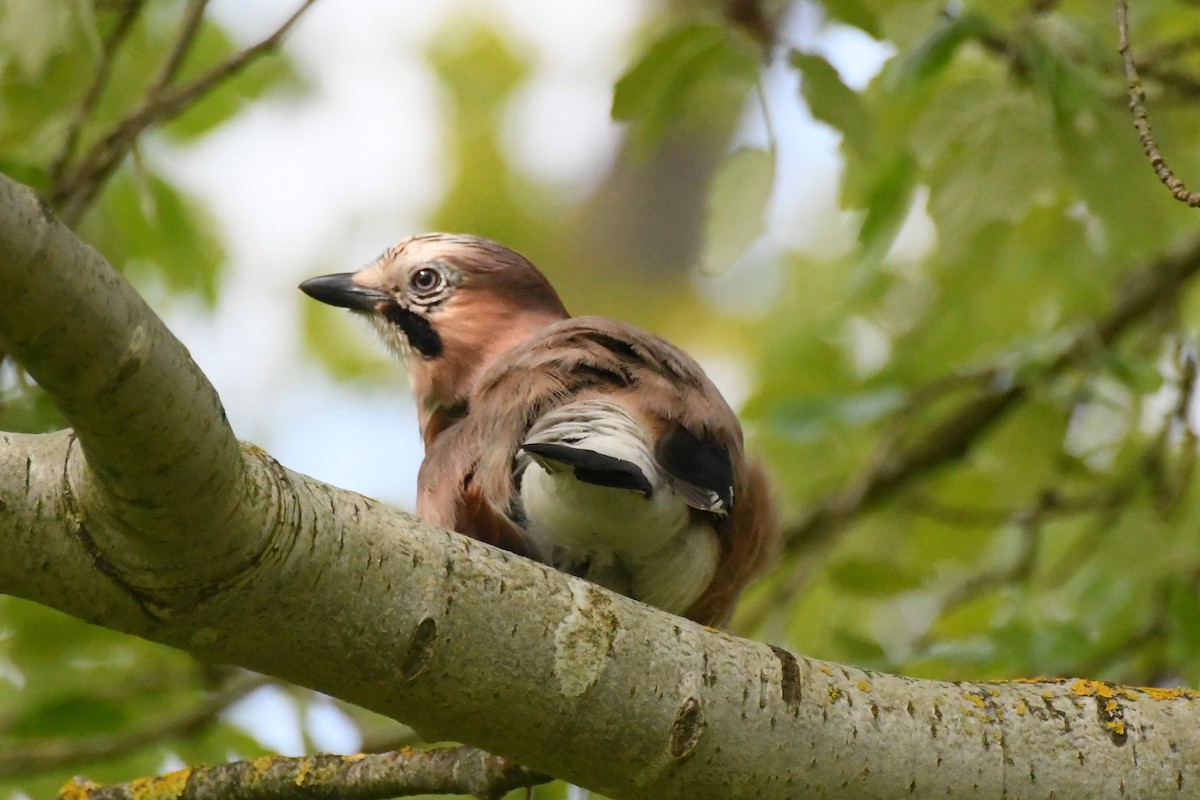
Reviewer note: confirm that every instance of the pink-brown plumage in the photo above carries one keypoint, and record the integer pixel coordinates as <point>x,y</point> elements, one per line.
<point>497,353</point>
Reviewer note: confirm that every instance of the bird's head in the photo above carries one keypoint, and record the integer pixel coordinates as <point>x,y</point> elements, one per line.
<point>449,305</point>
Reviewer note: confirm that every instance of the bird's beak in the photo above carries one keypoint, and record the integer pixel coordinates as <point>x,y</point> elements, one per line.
<point>341,290</point>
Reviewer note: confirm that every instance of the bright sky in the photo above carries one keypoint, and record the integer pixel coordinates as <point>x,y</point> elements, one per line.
<point>324,182</point>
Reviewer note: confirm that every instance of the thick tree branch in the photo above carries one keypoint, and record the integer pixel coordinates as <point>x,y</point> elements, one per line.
<point>156,441</point>
<point>453,770</point>
<point>458,639</point>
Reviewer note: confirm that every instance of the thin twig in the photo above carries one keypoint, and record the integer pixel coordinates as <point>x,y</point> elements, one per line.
<point>1137,106</point>
<point>450,770</point>
<point>183,44</point>
<point>91,97</point>
<point>75,193</point>
<point>45,756</point>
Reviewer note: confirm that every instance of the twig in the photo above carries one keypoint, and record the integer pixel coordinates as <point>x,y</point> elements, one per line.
<point>77,191</point>
<point>44,756</point>
<point>451,770</point>
<point>1137,98</point>
<point>99,81</point>
<point>183,44</point>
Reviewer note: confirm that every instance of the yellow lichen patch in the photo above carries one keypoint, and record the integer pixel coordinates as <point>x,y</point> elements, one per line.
<point>975,699</point>
<point>826,669</point>
<point>1082,687</point>
<point>303,772</point>
<point>76,789</point>
<point>1116,726</point>
<point>1022,709</point>
<point>863,685</point>
<point>1177,693</point>
<point>163,787</point>
<point>834,694</point>
<point>263,763</point>
<point>350,759</point>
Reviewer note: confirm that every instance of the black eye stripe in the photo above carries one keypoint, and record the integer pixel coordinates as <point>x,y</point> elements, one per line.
<point>417,330</point>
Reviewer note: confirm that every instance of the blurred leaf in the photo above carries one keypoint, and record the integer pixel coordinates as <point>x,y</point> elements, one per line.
<point>859,650</point>
<point>874,576</point>
<point>337,339</point>
<point>32,31</point>
<point>69,715</point>
<point>834,103</point>
<point>145,223</point>
<point>989,154</point>
<point>810,416</point>
<point>29,409</point>
<point>934,53</point>
<point>855,13</point>
<point>270,74</point>
<point>1184,610</point>
<point>678,71</point>
<point>1136,374</point>
<point>888,204</point>
<point>737,200</point>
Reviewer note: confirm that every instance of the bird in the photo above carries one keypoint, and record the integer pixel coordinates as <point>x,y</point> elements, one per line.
<point>583,442</point>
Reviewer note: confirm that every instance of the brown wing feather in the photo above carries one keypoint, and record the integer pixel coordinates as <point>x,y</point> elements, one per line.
<point>467,477</point>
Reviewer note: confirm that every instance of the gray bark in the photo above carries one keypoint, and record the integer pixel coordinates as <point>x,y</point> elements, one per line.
<point>150,518</point>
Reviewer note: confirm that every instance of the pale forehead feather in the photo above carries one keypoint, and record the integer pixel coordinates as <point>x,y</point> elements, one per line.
<point>471,252</point>
<point>503,270</point>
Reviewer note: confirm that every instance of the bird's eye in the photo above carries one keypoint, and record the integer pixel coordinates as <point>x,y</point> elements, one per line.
<point>426,281</point>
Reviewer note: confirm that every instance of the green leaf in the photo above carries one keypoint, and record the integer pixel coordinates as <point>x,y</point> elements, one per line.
<point>832,102</point>
<point>70,715</point>
<point>1184,608</point>
<point>338,342</point>
<point>859,650</point>
<point>888,204</point>
<point>677,73</point>
<point>1136,374</point>
<point>989,155</point>
<point>270,73</point>
<point>737,201</point>
<point>813,415</point>
<point>874,576</point>
<point>933,54</point>
<point>32,32</point>
<point>854,13</point>
<point>145,223</point>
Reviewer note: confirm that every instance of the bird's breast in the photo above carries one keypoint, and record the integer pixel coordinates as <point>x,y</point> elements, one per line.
<point>648,547</point>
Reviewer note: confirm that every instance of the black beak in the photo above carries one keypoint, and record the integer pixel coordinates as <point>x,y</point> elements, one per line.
<point>341,291</point>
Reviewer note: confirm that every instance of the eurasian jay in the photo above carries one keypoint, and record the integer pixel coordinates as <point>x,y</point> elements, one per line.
<point>585,443</point>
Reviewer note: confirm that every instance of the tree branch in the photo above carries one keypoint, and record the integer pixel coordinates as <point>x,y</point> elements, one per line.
<point>76,190</point>
<point>91,97</point>
<point>192,16</point>
<point>452,770</point>
<point>458,639</point>
<point>1137,106</point>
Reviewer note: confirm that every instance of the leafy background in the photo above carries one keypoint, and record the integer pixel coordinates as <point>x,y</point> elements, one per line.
<point>902,235</point>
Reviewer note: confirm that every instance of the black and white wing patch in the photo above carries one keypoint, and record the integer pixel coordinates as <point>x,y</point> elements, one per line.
<point>702,471</point>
